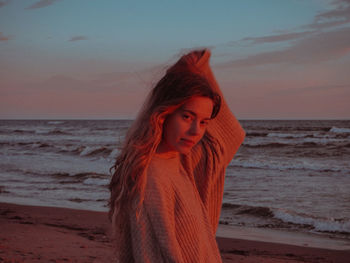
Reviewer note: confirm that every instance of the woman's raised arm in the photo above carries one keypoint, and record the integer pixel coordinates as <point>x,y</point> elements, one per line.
<point>226,129</point>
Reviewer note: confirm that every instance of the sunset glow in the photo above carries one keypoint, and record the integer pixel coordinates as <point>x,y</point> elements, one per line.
<point>78,59</point>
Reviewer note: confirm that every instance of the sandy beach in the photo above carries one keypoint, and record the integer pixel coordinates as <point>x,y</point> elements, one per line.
<point>50,234</point>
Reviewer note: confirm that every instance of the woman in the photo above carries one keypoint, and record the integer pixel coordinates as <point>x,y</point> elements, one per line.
<point>167,188</point>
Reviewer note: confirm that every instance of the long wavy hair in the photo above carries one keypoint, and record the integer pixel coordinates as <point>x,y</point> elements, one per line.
<point>179,84</point>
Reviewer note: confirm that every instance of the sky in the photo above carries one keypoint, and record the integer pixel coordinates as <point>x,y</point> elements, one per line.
<point>88,59</point>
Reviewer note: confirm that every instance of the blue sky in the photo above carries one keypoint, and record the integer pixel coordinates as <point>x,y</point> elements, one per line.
<point>98,59</point>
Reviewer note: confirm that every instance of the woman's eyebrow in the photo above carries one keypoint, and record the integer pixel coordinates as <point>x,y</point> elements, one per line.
<point>194,114</point>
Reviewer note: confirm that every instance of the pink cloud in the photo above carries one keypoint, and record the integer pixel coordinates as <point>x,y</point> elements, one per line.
<point>4,38</point>
<point>340,15</point>
<point>78,38</point>
<point>316,48</point>
<point>3,3</point>
<point>276,38</point>
<point>42,3</point>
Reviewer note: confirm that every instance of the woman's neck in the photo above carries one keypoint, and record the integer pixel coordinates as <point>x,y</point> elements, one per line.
<point>166,154</point>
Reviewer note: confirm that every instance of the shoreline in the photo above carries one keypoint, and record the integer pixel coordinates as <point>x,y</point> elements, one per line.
<point>284,237</point>
<point>53,234</point>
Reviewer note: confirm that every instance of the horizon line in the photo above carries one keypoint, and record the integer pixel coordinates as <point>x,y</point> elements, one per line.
<point>131,119</point>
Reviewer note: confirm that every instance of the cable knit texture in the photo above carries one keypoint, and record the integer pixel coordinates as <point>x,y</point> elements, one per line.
<point>183,195</point>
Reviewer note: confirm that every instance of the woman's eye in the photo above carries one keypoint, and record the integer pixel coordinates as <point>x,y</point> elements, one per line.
<point>186,117</point>
<point>204,123</point>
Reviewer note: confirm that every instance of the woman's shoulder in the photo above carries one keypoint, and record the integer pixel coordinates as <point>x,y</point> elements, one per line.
<point>160,171</point>
<point>159,186</point>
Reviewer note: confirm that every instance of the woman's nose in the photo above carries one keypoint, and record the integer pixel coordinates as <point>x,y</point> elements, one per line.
<point>195,128</point>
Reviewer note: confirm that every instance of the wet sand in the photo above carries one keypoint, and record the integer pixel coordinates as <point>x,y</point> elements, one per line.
<point>50,234</point>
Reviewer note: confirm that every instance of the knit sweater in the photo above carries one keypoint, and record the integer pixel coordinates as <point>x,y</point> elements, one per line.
<point>183,195</point>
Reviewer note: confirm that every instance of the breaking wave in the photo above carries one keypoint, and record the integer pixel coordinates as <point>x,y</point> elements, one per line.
<point>285,218</point>
<point>340,130</point>
<point>55,122</point>
<point>317,224</point>
<point>284,166</point>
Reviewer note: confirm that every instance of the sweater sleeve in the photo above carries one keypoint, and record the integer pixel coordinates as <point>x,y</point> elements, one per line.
<point>226,129</point>
<point>153,232</point>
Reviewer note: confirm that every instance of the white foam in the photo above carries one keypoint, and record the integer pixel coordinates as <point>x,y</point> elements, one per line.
<point>285,135</point>
<point>264,143</point>
<point>55,122</point>
<point>324,141</point>
<point>88,150</point>
<point>42,130</point>
<point>279,165</point>
<point>114,153</point>
<point>339,130</point>
<point>285,141</point>
<point>329,225</point>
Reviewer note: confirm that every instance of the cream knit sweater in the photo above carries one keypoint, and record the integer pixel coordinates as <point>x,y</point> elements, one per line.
<point>183,195</point>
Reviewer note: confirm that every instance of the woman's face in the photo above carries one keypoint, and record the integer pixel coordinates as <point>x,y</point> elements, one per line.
<point>184,128</point>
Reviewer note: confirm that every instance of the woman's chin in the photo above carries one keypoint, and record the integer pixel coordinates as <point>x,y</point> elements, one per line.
<point>184,150</point>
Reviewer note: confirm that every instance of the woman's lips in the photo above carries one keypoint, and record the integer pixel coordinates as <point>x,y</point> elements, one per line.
<point>187,142</point>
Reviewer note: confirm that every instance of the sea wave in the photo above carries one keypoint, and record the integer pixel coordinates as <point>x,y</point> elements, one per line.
<point>96,181</point>
<point>296,128</point>
<point>114,153</point>
<point>78,200</point>
<point>82,175</point>
<point>55,122</point>
<point>21,131</point>
<point>3,190</point>
<point>106,151</point>
<point>96,151</point>
<point>285,218</point>
<point>307,142</point>
<point>261,164</point>
<point>248,210</point>
<point>340,130</point>
<point>331,133</point>
<point>256,134</point>
<point>326,140</point>
<point>62,177</point>
<point>266,144</point>
<point>57,132</point>
<point>318,224</point>
<point>288,135</point>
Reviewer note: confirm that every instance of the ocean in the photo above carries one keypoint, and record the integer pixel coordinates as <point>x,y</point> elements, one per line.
<point>291,175</point>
